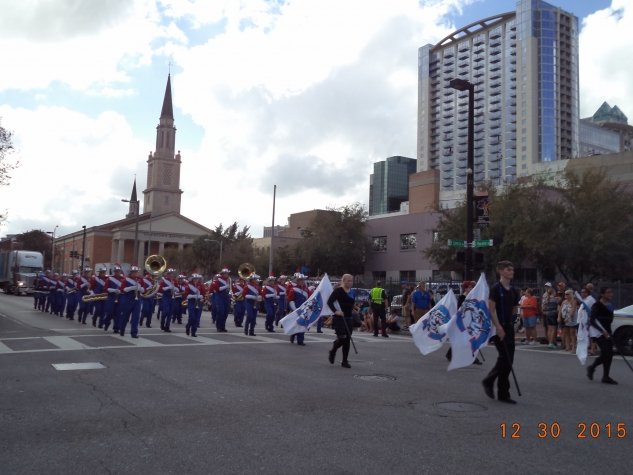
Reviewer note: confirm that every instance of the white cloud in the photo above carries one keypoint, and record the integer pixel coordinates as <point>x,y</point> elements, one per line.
<point>606,63</point>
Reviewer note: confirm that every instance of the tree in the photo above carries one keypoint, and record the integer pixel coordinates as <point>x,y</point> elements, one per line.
<point>237,248</point>
<point>38,241</point>
<point>6,149</point>
<point>580,226</point>
<point>335,242</point>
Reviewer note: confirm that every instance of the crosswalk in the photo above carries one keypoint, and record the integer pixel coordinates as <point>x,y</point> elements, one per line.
<point>88,339</point>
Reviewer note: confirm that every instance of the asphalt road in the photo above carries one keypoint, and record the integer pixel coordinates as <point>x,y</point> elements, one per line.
<point>169,404</point>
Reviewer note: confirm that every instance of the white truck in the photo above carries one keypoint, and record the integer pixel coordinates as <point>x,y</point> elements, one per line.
<point>19,271</point>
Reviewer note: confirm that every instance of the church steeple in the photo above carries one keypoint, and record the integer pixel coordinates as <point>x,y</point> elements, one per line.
<point>162,194</point>
<point>168,110</point>
<point>133,203</point>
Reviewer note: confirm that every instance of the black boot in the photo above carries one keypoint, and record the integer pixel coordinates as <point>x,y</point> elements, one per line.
<point>331,356</point>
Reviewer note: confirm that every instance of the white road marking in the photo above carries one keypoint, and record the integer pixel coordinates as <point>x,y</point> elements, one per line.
<point>201,340</point>
<point>65,343</point>
<point>5,349</point>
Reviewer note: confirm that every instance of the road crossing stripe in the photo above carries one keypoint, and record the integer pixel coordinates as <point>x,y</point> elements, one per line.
<point>5,349</point>
<point>143,342</point>
<point>200,339</point>
<point>65,342</point>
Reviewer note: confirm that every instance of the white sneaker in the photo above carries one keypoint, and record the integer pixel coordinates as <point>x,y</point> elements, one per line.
<point>524,342</point>
<point>533,343</point>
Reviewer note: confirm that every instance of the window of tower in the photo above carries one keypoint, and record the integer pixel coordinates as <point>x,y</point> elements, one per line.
<point>167,175</point>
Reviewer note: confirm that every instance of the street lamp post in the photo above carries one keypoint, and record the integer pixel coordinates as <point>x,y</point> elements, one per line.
<point>220,243</point>
<point>138,208</point>
<point>52,233</point>
<point>83,250</point>
<point>463,85</point>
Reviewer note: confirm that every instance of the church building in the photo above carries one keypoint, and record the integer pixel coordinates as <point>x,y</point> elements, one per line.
<point>160,225</point>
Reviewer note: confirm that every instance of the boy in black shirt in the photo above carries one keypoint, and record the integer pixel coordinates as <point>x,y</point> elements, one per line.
<point>503,305</point>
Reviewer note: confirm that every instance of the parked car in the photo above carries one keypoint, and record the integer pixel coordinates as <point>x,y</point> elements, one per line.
<point>622,328</point>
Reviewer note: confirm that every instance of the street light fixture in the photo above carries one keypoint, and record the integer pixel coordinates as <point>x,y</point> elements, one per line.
<point>138,209</point>
<point>463,85</point>
<point>220,243</point>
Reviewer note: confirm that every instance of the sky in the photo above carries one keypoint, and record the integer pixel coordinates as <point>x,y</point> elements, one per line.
<point>302,94</point>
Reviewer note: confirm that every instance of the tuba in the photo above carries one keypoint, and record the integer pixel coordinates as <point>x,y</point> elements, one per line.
<point>156,266</point>
<point>246,270</point>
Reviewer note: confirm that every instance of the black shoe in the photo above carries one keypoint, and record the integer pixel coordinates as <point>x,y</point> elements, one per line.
<point>187,331</point>
<point>100,326</point>
<point>252,334</point>
<point>507,399</point>
<point>239,326</point>
<point>477,361</point>
<point>213,320</point>
<point>193,335</point>
<point>245,331</point>
<point>94,323</point>
<point>116,331</point>
<point>292,338</point>
<point>122,333</point>
<point>148,326</point>
<point>331,356</point>
<point>345,364</point>
<point>375,334</point>
<point>270,330</point>
<point>224,330</point>
<point>590,371</point>
<point>83,323</point>
<point>105,328</point>
<point>134,336</point>
<point>301,344</point>
<point>167,330</point>
<point>489,390</point>
<point>162,327</point>
<point>319,331</point>
<point>608,380</point>
<point>385,335</point>
<point>277,323</point>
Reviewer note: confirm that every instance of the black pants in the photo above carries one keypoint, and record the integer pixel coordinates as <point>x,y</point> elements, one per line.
<point>379,312</point>
<point>342,341</point>
<point>502,368</point>
<point>606,355</point>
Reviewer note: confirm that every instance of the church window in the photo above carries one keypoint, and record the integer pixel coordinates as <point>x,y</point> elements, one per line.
<point>167,175</point>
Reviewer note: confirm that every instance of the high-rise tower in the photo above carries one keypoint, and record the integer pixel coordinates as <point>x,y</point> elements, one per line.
<point>524,66</point>
<point>163,192</point>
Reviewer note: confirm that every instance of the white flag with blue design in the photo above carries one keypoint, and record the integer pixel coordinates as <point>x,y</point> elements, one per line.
<point>310,311</point>
<point>426,331</point>
<point>583,340</point>
<point>471,327</point>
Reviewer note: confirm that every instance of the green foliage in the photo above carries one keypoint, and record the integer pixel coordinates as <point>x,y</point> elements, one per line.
<point>581,226</point>
<point>37,241</point>
<point>335,242</point>
<point>6,149</point>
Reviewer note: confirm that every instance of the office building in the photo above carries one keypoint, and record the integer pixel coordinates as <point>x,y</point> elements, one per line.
<point>524,66</point>
<point>389,184</point>
<point>607,131</point>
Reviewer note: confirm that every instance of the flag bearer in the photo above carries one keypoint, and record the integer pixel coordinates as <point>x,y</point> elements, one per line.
<point>297,295</point>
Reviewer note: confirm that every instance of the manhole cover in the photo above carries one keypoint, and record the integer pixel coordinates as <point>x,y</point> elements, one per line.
<point>360,362</point>
<point>375,377</point>
<point>460,407</point>
<point>74,366</point>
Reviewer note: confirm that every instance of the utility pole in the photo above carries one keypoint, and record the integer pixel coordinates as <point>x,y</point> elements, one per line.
<point>272,235</point>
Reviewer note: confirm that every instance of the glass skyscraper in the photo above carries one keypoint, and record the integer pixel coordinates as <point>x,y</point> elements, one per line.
<point>524,66</point>
<point>389,184</point>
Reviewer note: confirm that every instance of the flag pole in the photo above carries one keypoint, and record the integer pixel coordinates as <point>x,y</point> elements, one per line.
<point>348,333</point>
<point>621,352</point>
<point>516,383</point>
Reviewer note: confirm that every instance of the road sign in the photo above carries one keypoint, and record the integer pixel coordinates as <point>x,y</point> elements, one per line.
<point>483,243</point>
<point>456,243</point>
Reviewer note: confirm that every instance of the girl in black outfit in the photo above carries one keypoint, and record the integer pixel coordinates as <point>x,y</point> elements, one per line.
<point>601,319</point>
<point>342,320</point>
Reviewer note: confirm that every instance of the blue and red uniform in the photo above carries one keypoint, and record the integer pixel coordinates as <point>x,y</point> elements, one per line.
<point>269,294</point>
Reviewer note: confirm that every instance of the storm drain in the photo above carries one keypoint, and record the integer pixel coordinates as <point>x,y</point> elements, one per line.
<point>460,406</point>
<point>76,366</point>
<point>375,377</point>
<point>360,362</point>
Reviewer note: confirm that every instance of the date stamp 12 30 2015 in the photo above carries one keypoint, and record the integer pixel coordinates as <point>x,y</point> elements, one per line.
<point>584,430</point>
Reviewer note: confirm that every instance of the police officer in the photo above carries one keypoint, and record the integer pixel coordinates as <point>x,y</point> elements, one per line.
<point>97,284</point>
<point>379,306</point>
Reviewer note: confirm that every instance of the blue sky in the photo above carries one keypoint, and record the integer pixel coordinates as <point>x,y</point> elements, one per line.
<point>305,95</point>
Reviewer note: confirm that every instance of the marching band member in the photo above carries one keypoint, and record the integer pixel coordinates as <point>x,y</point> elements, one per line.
<point>221,287</point>
<point>71,295</point>
<point>44,291</point>
<point>37,291</point>
<point>113,305</point>
<point>147,305</point>
<point>47,300</point>
<point>97,284</point>
<point>239,307</point>
<point>168,290</point>
<point>252,299</point>
<point>297,295</point>
<point>83,286</point>
<point>131,302</point>
<point>269,294</point>
<point>61,294</point>
<point>281,303</point>
<point>180,290</point>
<point>211,294</point>
<point>194,293</point>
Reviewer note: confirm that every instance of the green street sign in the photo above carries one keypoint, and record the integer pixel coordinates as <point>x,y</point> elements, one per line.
<point>456,243</point>
<point>483,243</point>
